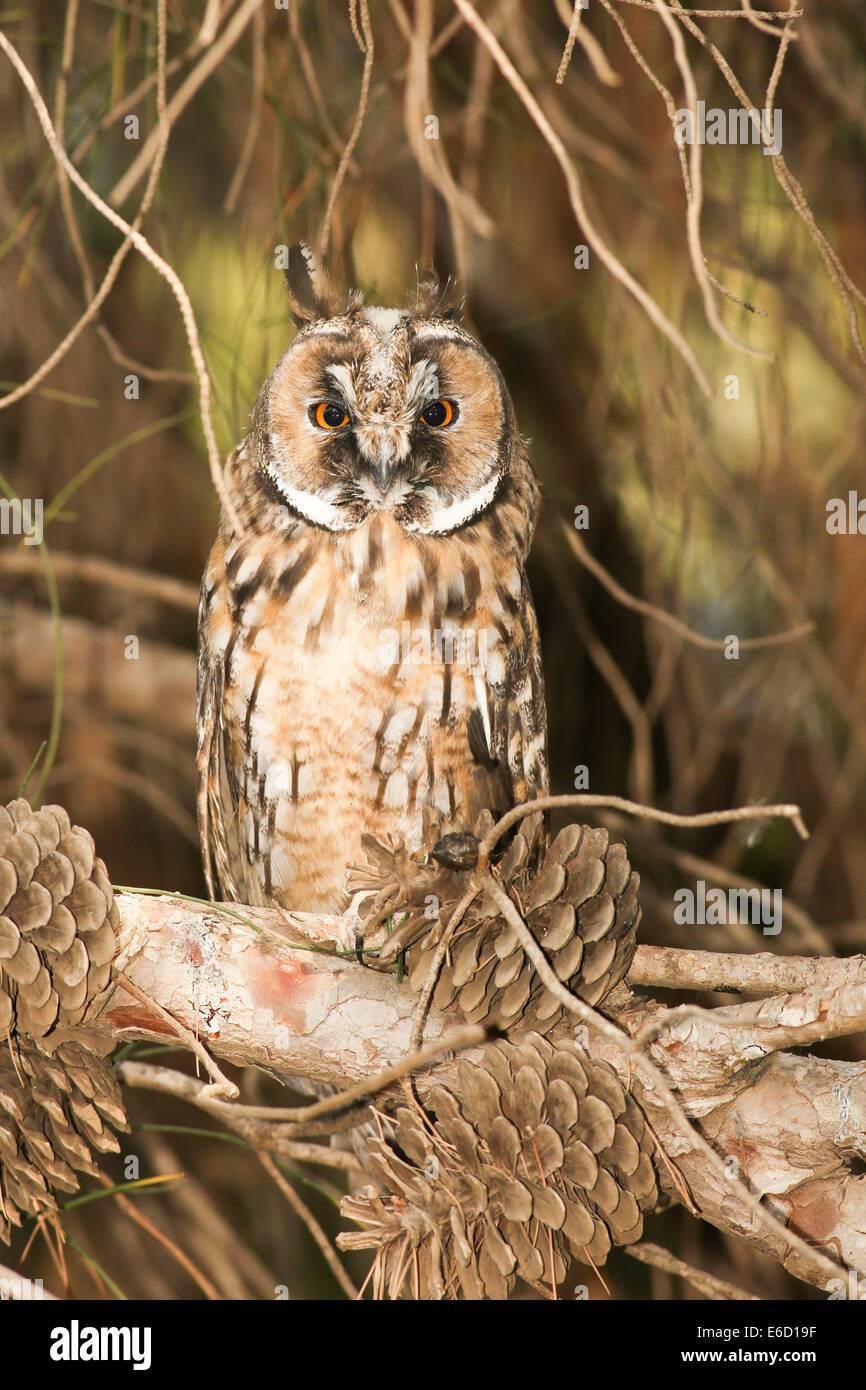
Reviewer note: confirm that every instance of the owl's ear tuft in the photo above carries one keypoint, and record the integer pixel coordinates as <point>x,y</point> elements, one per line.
<point>311,295</point>
<point>433,300</point>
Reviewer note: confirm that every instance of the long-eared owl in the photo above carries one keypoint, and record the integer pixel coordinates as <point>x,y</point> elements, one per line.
<point>368,648</point>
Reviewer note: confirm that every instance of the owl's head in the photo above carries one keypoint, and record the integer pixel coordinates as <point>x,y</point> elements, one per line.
<point>374,410</point>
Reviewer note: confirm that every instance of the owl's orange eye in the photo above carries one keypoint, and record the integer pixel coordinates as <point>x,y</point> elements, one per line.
<point>438,415</point>
<point>330,417</point>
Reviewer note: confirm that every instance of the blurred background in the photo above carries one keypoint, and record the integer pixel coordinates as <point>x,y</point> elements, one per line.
<point>313,123</point>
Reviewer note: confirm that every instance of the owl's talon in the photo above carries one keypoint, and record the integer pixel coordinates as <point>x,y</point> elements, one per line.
<point>456,851</point>
<point>359,949</point>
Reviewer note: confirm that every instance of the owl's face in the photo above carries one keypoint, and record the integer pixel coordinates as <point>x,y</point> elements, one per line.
<point>376,410</point>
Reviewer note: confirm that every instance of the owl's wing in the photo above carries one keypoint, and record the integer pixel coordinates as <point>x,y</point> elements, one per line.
<point>218,800</point>
<point>507,730</point>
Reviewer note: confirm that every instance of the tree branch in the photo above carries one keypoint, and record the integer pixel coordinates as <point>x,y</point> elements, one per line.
<point>262,987</point>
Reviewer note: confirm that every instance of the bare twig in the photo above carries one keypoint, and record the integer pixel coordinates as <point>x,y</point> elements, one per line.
<point>436,964</point>
<point>575,194</point>
<point>463,210</point>
<point>779,15</point>
<point>312,1225</point>
<point>95,298</point>
<point>259,1134</point>
<point>368,50</point>
<point>471,1035</point>
<point>144,247</point>
<point>213,55</point>
<point>255,116</point>
<point>695,196</point>
<point>550,803</point>
<point>588,42</point>
<point>92,569</point>
<point>845,286</point>
<point>221,1088</point>
<point>668,620</point>
<point>180,1256</point>
<point>705,1283</point>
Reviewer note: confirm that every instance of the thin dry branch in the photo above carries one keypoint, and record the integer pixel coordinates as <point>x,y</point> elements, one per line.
<point>95,297</point>
<point>122,358</point>
<point>809,934</point>
<point>619,803</point>
<point>107,574</point>
<point>588,42</point>
<point>220,1087</point>
<point>145,1224</point>
<point>699,1279</point>
<point>275,1136</point>
<point>297,1203</point>
<point>144,247</point>
<point>462,207</point>
<point>575,194</point>
<point>255,116</point>
<point>310,77</point>
<point>213,56</point>
<point>694,196</point>
<point>764,26</point>
<point>456,1040</point>
<point>847,290</point>
<point>720,14</point>
<point>130,100</point>
<point>669,620</point>
<point>368,50</point>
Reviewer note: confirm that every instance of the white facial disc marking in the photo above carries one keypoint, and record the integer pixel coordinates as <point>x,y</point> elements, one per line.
<point>458,512</point>
<point>312,506</point>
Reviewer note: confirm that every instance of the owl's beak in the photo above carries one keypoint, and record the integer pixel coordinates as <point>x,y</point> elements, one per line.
<point>383,447</point>
<point>385,470</point>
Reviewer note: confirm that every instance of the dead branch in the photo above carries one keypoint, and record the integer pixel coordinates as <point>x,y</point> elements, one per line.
<point>93,569</point>
<point>143,246</point>
<point>214,53</point>
<point>762,973</point>
<point>576,198</point>
<point>155,691</point>
<point>705,1283</point>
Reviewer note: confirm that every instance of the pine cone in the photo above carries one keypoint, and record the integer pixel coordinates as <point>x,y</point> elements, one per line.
<point>538,1157</point>
<point>57,920</point>
<point>55,1109</point>
<point>57,939</point>
<point>581,906</point>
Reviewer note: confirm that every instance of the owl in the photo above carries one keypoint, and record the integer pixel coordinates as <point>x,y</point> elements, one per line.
<point>368,647</point>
